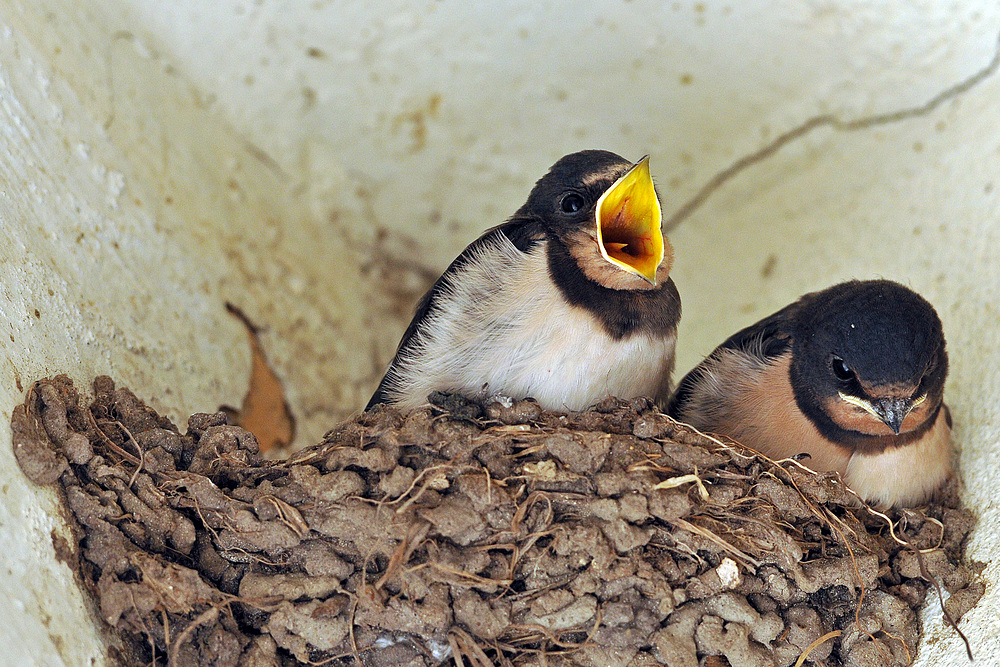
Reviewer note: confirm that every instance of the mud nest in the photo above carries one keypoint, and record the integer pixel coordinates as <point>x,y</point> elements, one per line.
<point>459,534</point>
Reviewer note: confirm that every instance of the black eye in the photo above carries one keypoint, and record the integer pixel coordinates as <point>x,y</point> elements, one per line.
<point>571,203</point>
<point>840,369</point>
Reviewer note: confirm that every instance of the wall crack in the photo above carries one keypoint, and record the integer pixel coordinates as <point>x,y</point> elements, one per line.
<point>835,123</point>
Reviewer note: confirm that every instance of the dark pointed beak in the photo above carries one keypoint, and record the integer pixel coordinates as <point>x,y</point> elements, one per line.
<point>893,411</point>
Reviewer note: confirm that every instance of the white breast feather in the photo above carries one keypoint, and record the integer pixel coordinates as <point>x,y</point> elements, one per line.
<point>904,475</point>
<point>503,328</point>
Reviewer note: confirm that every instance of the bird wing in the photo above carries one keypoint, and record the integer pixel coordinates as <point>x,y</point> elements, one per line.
<point>767,339</point>
<point>523,233</point>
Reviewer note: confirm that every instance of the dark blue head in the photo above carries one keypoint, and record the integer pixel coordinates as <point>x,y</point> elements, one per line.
<point>870,355</point>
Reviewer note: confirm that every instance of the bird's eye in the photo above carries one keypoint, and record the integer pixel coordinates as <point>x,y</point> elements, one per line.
<point>840,369</point>
<point>571,203</point>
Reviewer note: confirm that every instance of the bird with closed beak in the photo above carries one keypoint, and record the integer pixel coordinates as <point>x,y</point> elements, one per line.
<point>568,302</point>
<point>852,375</point>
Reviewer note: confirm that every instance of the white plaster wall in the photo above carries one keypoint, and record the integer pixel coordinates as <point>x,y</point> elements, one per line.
<point>319,162</point>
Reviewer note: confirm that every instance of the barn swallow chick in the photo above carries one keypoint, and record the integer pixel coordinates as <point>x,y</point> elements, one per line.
<point>852,375</point>
<point>568,302</point>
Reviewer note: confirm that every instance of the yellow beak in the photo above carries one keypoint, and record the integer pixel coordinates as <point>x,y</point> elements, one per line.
<point>628,223</point>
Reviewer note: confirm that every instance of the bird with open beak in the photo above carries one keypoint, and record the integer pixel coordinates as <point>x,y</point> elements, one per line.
<point>568,302</point>
<point>852,375</point>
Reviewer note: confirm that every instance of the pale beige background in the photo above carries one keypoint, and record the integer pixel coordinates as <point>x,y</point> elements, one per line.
<point>318,163</point>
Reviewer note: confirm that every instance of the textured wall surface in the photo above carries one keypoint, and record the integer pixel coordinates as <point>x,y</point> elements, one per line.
<point>319,163</point>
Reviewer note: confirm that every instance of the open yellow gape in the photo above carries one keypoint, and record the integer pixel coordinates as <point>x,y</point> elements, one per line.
<point>628,223</point>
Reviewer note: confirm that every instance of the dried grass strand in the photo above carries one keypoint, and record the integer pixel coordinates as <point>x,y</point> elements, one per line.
<point>726,546</point>
<point>815,644</point>
<point>944,610</point>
